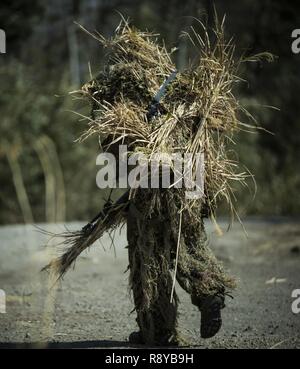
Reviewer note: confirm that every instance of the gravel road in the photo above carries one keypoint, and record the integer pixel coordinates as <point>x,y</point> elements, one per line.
<point>91,307</point>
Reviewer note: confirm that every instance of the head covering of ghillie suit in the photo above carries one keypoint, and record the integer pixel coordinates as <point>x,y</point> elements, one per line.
<point>198,113</point>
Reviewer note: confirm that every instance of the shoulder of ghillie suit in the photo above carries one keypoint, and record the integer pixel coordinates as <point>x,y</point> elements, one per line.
<point>198,112</point>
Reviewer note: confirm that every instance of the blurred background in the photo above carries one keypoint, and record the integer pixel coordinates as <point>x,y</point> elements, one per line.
<point>46,177</point>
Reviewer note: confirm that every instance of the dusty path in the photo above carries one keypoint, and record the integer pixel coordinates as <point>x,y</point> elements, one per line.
<point>91,308</point>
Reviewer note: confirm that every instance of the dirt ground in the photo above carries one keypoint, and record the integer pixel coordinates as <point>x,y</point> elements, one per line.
<point>91,308</point>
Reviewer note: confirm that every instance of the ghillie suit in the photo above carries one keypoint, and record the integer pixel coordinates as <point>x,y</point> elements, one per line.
<point>166,235</point>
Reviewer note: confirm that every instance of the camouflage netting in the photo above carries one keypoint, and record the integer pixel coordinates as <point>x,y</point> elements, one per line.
<point>198,113</point>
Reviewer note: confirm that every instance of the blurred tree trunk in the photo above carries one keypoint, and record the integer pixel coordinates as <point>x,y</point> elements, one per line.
<point>12,157</point>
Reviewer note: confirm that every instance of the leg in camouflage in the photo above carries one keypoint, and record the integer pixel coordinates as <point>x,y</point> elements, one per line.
<point>150,280</point>
<point>202,276</point>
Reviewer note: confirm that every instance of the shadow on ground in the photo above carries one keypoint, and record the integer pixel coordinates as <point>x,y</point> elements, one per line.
<point>64,345</point>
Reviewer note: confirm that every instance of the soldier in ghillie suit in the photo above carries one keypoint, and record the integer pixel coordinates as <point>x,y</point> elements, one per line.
<point>140,100</point>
